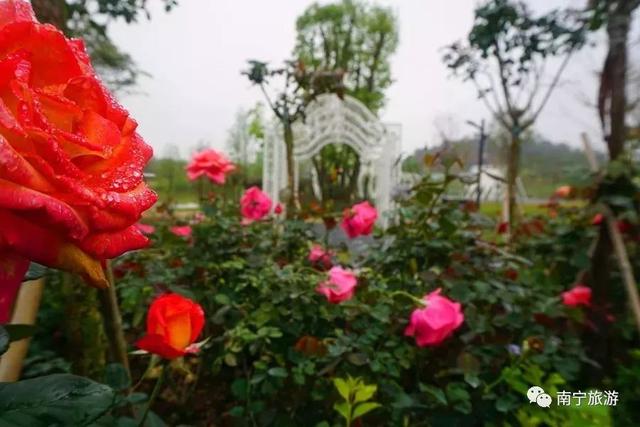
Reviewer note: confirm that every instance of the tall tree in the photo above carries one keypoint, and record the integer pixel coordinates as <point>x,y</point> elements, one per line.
<point>89,19</point>
<point>505,56</point>
<point>355,39</point>
<point>352,37</point>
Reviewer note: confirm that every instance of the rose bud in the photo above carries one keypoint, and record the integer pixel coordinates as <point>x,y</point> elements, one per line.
<point>210,163</point>
<point>173,324</point>
<point>359,220</point>
<point>320,257</point>
<point>254,205</point>
<point>433,323</point>
<point>339,287</point>
<point>578,295</point>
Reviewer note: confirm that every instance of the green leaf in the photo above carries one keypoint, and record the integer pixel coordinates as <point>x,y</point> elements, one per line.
<point>222,299</point>
<point>137,398</point>
<point>344,409</point>
<point>116,377</point>
<point>230,359</point>
<point>19,331</point>
<point>436,392</point>
<point>278,372</point>
<point>59,399</point>
<point>342,387</point>
<point>154,420</point>
<point>358,359</point>
<point>4,340</point>
<point>364,408</point>
<point>472,379</point>
<point>365,393</point>
<point>239,388</point>
<point>236,411</point>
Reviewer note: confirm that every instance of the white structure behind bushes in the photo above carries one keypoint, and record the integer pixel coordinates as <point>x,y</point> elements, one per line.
<point>331,120</point>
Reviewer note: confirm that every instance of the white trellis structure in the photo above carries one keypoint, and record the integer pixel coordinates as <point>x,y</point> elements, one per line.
<point>331,120</point>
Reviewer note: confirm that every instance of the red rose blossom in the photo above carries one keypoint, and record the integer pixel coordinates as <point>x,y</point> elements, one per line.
<point>71,162</point>
<point>578,295</point>
<point>210,163</point>
<point>173,324</point>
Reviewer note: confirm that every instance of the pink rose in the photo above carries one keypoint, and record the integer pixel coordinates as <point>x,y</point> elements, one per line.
<point>578,295</point>
<point>359,220</point>
<point>211,163</point>
<point>145,228</point>
<point>319,256</point>
<point>340,286</point>
<point>433,323</point>
<point>278,209</point>
<point>181,230</point>
<point>254,205</point>
<point>198,217</point>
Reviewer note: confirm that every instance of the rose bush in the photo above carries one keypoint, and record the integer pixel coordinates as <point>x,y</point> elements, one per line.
<point>71,161</point>
<point>274,336</point>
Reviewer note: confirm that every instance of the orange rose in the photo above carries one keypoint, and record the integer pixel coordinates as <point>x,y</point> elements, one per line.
<point>71,162</point>
<point>173,324</point>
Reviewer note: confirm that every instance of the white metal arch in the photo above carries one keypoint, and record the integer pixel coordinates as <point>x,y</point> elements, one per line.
<point>331,120</point>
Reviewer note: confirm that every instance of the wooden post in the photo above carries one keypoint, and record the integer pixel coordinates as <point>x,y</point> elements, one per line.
<point>25,312</point>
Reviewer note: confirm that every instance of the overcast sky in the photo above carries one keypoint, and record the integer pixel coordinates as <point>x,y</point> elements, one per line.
<point>195,54</point>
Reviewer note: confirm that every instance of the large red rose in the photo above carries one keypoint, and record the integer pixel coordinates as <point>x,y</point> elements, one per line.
<point>71,162</point>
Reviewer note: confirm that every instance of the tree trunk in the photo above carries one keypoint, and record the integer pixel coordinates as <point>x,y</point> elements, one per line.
<point>513,169</point>
<point>293,204</point>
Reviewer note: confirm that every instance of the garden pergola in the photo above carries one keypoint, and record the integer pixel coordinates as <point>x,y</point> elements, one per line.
<point>332,120</point>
